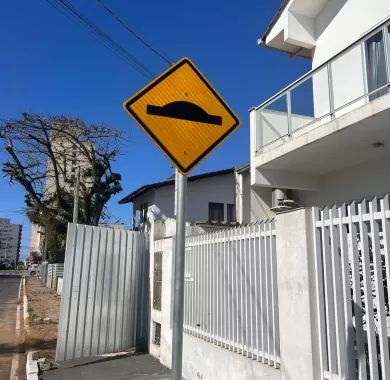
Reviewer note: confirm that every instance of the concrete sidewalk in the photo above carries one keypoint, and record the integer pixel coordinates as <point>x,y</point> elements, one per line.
<point>118,367</point>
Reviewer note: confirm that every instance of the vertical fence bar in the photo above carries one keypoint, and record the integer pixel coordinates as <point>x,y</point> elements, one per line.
<point>231,289</point>
<point>379,291</point>
<point>274,294</point>
<point>318,263</point>
<point>211,277</point>
<point>337,292</point>
<point>251,291</point>
<point>357,302</point>
<point>369,312</point>
<point>347,296</point>
<point>328,286</point>
<point>256,280</point>
<point>226,287</point>
<point>262,291</point>
<point>201,285</point>
<point>245,284</point>
<point>237,291</point>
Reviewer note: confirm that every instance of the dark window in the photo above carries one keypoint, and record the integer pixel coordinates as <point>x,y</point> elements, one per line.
<point>231,213</point>
<point>157,279</point>
<point>376,65</point>
<point>216,211</point>
<point>143,212</point>
<point>157,333</point>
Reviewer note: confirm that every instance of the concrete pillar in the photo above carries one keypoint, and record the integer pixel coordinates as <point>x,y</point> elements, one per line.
<point>297,315</point>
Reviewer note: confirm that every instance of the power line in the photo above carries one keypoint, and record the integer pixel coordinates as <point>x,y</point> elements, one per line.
<point>131,31</point>
<point>107,40</point>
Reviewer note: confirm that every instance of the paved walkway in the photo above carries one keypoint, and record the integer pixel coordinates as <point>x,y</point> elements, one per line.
<point>119,367</point>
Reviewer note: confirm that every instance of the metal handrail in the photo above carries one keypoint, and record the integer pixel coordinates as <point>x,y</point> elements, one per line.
<point>326,63</point>
<point>327,114</point>
<point>287,91</point>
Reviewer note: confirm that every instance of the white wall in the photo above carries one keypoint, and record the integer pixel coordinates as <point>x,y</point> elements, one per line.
<point>364,180</point>
<point>220,188</point>
<point>261,202</point>
<point>243,197</point>
<point>352,183</point>
<point>341,22</point>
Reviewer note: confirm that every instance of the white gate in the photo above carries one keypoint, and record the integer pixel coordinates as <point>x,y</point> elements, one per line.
<point>104,295</point>
<point>230,290</point>
<point>352,274</point>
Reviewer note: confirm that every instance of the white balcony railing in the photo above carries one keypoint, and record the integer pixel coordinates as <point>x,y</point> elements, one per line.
<point>355,76</point>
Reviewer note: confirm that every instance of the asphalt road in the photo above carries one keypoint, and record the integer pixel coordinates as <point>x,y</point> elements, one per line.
<point>11,330</point>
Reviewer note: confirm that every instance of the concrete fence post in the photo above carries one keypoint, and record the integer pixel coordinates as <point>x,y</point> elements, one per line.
<point>296,291</point>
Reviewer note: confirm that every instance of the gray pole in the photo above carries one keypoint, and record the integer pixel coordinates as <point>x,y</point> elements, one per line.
<point>76,196</point>
<point>178,294</point>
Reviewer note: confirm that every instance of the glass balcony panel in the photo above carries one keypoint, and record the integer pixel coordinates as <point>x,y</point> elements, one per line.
<point>335,89</point>
<point>348,80</point>
<point>310,100</point>
<point>272,121</point>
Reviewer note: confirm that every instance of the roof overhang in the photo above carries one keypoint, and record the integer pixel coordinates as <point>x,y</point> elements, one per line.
<point>292,29</point>
<point>143,189</point>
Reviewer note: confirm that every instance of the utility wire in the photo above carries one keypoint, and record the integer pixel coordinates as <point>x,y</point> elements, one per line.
<point>107,40</point>
<point>131,31</point>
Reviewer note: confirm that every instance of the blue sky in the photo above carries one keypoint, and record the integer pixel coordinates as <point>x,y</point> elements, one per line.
<point>51,65</point>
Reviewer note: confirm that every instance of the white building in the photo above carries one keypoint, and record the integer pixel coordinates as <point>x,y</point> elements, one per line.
<point>325,138</point>
<point>10,237</point>
<point>211,197</point>
<point>36,240</point>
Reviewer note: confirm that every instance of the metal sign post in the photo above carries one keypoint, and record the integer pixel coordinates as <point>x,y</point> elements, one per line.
<point>178,284</point>
<point>187,119</point>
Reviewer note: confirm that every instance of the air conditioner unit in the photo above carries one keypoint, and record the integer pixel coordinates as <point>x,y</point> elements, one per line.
<point>283,200</point>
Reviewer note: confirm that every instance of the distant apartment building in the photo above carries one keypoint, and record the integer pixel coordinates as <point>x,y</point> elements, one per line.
<point>36,240</point>
<point>10,238</point>
<point>69,158</point>
<point>325,138</point>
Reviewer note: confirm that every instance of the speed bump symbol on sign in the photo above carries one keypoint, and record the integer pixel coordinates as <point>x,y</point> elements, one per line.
<point>183,114</point>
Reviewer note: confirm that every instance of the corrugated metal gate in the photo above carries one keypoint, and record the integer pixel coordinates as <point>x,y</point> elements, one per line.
<point>104,299</point>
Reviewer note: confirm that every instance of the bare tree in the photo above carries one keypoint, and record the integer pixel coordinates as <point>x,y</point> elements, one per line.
<point>43,155</point>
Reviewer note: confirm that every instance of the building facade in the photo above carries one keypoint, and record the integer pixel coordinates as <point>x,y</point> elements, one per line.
<point>325,138</point>
<point>211,197</point>
<point>10,238</point>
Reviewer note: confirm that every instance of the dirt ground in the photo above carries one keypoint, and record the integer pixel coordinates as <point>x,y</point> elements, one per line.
<point>41,334</point>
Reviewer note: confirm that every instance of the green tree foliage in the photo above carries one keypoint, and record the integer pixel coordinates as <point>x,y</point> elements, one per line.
<point>43,154</point>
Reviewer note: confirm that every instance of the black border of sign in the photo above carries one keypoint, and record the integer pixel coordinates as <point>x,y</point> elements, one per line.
<point>127,104</point>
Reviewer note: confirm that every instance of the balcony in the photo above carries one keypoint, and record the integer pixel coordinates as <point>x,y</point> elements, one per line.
<point>295,129</point>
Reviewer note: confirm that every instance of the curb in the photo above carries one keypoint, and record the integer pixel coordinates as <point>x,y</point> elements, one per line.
<point>32,369</point>
<point>25,304</point>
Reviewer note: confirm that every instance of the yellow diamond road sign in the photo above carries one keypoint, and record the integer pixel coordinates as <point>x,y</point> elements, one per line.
<point>183,114</point>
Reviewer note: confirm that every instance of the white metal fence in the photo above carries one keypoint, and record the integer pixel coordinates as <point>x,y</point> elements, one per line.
<point>53,272</point>
<point>352,272</point>
<point>231,290</point>
<point>104,295</point>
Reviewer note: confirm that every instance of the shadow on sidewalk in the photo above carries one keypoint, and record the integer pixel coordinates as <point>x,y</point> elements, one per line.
<point>134,366</point>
